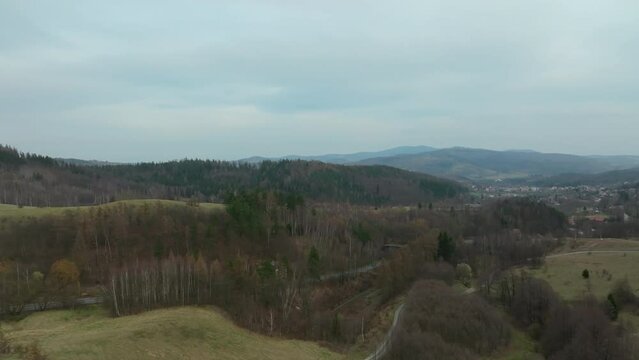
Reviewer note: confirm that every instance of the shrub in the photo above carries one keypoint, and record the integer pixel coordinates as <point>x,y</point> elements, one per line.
<point>464,274</point>
<point>582,332</point>
<point>611,307</point>
<point>527,299</point>
<point>623,293</point>
<point>439,320</point>
<point>420,345</point>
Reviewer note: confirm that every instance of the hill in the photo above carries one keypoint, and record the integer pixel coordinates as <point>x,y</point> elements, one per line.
<point>348,158</point>
<point>178,333</point>
<point>33,180</point>
<point>479,164</point>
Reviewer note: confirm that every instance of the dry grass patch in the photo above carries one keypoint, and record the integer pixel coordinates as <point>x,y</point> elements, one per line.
<point>178,333</point>
<point>564,273</point>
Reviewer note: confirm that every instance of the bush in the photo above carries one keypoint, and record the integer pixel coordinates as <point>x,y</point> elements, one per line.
<point>623,294</point>
<point>441,271</point>
<point>582,332</point>
<point>419,345</point>
<point>464,274</point>
<point>444,324</point>
<point>527,299</point>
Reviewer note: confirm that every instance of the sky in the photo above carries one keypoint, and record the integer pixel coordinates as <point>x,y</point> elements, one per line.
<point>161,80</point>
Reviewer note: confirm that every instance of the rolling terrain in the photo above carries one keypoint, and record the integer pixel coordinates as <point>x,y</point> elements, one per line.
<point>177,333</point>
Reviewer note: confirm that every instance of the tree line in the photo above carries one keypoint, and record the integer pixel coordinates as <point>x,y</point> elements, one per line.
<point>33,180</point>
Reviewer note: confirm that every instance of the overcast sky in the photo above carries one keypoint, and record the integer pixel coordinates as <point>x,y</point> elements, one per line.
<point>159,80</point>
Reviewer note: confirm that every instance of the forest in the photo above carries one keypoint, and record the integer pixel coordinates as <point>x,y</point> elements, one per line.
<point>34,180</point>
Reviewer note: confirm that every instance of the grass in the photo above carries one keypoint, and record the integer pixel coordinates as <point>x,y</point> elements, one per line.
<point>177,333</point>
<point>563,273</point>
<point>13,211</point>
<point>521,347</point>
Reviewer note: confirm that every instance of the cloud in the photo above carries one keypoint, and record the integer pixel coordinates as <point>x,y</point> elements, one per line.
<point>230,79</point>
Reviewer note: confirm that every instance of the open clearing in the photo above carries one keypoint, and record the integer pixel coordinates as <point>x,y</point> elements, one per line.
<point>563,271</point>
<point>13,211</point>
<point>178,333</point>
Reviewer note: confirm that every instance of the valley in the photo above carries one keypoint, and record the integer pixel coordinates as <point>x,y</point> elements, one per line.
<point>226,258</point>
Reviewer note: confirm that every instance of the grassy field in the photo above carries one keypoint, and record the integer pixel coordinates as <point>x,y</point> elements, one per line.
<point>178,333</point>
<point>13,211</point>
<point>563,272</point>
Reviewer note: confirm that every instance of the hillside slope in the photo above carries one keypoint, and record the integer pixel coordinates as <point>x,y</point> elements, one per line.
<point>178,333</point>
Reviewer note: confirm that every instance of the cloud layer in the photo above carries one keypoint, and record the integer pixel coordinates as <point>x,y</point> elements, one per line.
<point>159,80</point>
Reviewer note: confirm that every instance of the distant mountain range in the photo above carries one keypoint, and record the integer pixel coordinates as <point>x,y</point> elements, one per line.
<point>347,158</point>
<point>481,165</point>
<point>478,165</point>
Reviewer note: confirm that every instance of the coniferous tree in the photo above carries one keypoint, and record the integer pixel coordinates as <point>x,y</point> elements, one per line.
<point>445,247</point>
<point>313,264</point>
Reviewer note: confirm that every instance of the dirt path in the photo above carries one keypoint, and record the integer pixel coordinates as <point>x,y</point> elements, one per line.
<point>591,252</point>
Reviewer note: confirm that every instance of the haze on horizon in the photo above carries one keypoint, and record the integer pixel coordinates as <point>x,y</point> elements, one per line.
<point>158,80</point>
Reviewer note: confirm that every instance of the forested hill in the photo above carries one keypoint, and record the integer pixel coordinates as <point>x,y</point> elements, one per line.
<point>33,180</point>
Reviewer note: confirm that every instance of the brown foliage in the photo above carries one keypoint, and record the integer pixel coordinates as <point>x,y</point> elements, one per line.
<point>455,325</point>
<point>583,332</point>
